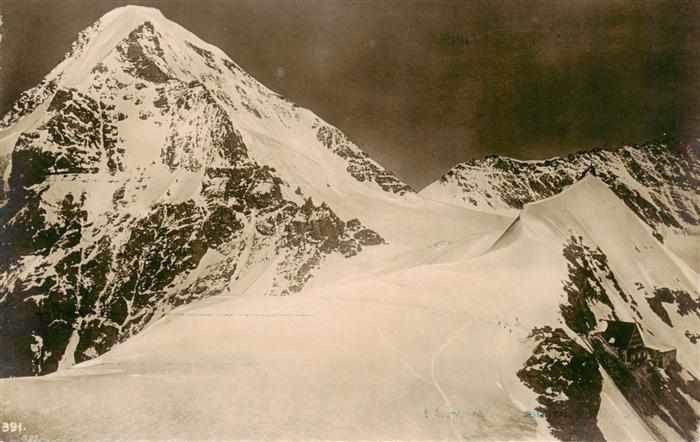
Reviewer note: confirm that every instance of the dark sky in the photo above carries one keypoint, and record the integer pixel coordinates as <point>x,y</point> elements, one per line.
<point>423,85</point>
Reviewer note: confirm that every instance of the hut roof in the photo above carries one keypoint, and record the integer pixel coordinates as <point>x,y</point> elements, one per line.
<point>619,333</point>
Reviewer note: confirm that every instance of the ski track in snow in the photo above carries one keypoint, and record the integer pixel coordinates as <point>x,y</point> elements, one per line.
<point>398,355</point>
<point>438,387</point>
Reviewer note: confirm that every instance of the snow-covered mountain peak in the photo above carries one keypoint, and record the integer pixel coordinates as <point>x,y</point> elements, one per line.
<point>126,18</point>
<point>154,78</point>
<point>132,13</point>
<point>148,170</point>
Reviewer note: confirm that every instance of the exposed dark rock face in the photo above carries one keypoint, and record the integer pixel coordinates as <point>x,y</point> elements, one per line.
<point>694,338</point>
<point>568,382</point>
<point>28,101</point>
<point>685,304</point>
<point>34,97</point>
<point>82,269</point>
<point>655,392</point>
<point>82,131</point>
<point>206,55</point>
<point>142,54</point>
<point>106,292</point>
<point>588,268</point>
<point>652,391</point>
<point>659,181</point>
<point>564,374</point>
<point>73,141</point>
<point>360,165</point>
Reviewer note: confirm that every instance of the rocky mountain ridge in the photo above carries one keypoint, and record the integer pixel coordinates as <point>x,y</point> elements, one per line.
<point>131,190</point>
<point>659,181</point>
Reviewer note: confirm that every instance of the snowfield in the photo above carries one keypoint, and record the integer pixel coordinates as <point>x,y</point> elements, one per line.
<point>407,348</point>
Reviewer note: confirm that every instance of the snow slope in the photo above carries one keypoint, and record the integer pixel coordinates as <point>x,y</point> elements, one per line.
<point>659,181</point>
<point>407,345</point>
<point>148,170</point>
<point>138,61</point>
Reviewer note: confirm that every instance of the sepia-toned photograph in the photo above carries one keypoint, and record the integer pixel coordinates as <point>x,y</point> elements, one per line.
<point>349,220</point>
